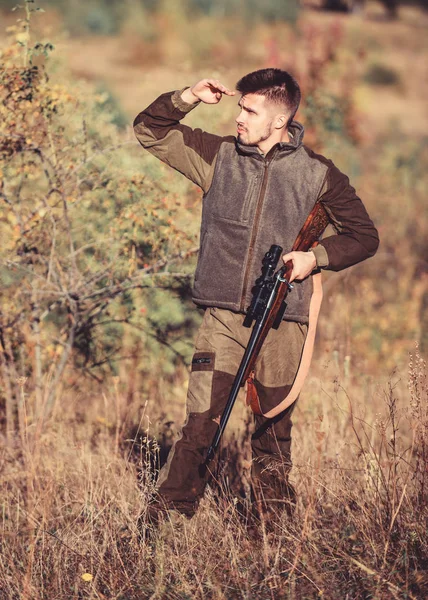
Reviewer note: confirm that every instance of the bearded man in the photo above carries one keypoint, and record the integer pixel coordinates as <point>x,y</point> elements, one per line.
<point>258,189</point>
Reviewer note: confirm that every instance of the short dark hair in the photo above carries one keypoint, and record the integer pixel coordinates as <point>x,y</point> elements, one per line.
<point>276,85</point>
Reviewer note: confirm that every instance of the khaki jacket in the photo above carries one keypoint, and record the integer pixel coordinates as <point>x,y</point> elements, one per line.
<point>252,201</point>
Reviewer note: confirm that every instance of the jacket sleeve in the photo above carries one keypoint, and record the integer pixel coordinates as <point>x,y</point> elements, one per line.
<point>192,152</point>
<point>357,237</point>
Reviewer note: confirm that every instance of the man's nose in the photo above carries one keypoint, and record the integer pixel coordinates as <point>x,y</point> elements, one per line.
<point>240,117</point>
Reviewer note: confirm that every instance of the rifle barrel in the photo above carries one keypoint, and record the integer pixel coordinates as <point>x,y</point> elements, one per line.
<point>239,378</point>
<point>237,384</point>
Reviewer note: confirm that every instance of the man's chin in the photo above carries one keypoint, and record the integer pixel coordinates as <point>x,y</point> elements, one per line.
<point>242,139</point>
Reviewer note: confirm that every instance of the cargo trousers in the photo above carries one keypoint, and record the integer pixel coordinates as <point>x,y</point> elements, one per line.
<point>219,347</point>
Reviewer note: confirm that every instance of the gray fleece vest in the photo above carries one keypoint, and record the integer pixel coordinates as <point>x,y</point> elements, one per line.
<point>252,203</point>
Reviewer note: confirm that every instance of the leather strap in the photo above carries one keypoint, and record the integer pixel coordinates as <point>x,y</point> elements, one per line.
<point>305,360</point>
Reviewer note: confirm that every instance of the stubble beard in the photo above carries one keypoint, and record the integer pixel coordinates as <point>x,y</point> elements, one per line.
<point>246,140</point>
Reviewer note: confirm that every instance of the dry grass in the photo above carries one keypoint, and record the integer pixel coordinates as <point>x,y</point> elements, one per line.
<point>72,494</point>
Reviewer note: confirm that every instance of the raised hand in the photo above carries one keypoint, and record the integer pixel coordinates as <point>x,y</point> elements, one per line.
<point>209,91</point>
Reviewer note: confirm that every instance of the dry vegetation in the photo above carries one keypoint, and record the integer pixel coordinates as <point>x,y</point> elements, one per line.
<point>96,325</point>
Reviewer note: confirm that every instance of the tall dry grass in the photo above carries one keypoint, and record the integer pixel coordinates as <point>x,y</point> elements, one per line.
<point>72,494</point>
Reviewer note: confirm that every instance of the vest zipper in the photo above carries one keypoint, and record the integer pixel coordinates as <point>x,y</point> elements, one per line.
<point>254,231</point>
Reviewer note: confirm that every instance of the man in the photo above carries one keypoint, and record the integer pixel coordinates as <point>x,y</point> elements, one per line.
<point>259,188</point>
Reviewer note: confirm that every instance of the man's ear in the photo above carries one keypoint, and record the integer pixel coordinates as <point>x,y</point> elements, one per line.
<point>281,121</point>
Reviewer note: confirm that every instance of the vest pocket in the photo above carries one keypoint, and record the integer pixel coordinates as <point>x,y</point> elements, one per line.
<point>219,272</point>
<point>235,207</point>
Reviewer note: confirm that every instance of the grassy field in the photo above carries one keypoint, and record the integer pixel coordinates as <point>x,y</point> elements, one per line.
<point>93,386</point>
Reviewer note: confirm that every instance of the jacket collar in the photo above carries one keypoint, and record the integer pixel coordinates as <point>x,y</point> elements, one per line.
<point>295,131</point>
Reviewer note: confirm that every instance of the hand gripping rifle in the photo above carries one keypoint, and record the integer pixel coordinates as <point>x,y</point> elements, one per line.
<point>268,306</point>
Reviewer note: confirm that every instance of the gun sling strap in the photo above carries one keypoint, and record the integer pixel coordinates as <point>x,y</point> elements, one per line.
<point>305,359</point>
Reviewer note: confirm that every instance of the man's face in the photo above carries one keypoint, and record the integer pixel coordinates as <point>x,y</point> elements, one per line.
<point>256,120</point>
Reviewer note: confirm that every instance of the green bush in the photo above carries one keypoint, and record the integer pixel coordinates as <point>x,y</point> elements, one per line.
<point>86,228</point>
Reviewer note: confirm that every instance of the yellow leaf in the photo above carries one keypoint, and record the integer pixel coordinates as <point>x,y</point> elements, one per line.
<point>22,37</point>
<point>87,577</point>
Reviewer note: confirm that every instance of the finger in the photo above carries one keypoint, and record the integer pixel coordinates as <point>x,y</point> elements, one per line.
<point>287,258</point>
<point>225,90</point>
<point>215,83</point>
<point>291,276</point>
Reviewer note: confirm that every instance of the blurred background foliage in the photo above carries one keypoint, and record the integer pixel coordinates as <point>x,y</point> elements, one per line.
<point>106,17</point>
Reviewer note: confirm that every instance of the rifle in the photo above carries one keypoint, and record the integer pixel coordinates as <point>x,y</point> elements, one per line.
<point>267,309</point>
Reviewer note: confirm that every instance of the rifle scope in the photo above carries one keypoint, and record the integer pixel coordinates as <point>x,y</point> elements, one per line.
<point>263,284</point>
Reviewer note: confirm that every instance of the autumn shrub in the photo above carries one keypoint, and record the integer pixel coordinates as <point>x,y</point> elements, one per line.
<point>90,233</point>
